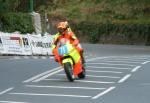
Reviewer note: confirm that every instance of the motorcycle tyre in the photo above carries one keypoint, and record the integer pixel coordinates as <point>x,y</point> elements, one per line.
<point>69,71</point>
<point>82,75</point>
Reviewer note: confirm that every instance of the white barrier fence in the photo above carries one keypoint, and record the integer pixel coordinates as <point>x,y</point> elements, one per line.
<point>14,43</point>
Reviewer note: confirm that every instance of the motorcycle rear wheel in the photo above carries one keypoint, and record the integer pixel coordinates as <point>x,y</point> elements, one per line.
<point>82,75</point>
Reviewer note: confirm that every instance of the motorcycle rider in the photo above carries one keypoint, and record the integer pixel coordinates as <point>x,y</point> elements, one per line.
<point>64,31</point>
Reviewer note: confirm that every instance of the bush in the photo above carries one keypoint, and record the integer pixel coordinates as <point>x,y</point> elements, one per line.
<point>113,33</point>
<point>16,22</point>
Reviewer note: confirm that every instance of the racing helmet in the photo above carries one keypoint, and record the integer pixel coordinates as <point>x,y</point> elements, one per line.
<point>61,26</point>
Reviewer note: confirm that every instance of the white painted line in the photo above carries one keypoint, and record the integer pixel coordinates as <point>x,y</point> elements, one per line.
<point>98,82</point>
<point>136,68</point>
<point>53,79</point>
<point>96,71</point>
<point>16,57</point>
<point>122,62</point>
<point>43,57</point>
<point>145,62</point>
<point>48,75</point>
<point>103,93</point>
<point>88,88</point>
<point>135,57</point>
<point>124,78</point>
<point>26,57</point>
<point>145,84</point>
<point>42,74</point>
<point>39,75</point>
<point>113,64</point>
<point>58,95</point>
<point>85,81</point>
<point>133,60</point>
<point>95,76</point>
<point>11,102</point>
<point>35,57</point>
<point>92,59</point>
<point>102,76</point>
<point>7,90</point>
<point>107,67</point>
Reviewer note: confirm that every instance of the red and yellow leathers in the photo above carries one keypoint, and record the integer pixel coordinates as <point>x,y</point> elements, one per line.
<point>68,35</point>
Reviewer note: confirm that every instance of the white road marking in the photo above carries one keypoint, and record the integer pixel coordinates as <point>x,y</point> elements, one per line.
<point>35,57</point>
<point>88,88</point>
<point>113,64</point>
<point>96,71</point>
<point>7,90</point>
<point>16,57</point>
<point>122,62</point>
<point>92,59</point>
<point>102,76</point>
<point>107,67</point>
<point>145,62</point>
<point>11,102</point>
<point>48,75</point>
<point>26,57</point>
<point>103,93</point>
<point>136,68</point>
<point>39,75</point>
<point>85,81</point>
<point>135,57</point>
<point>124,78</point>
<point>145,84</point>
<point>96,76</point>
<point>58,95</point>
<point>43,57</point>
<point>133,60</point>
<point>99,82</point>
<point>42,74</point>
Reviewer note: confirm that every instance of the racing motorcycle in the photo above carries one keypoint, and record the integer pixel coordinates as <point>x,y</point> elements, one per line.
<point>70,59</point>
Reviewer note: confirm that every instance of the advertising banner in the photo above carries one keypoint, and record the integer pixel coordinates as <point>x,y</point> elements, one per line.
<point>46,44</point>
<point>12,44</point>
<point>36,44</point>
<point>15,43</point>
<point>26,45</point>
<point>1,45</point>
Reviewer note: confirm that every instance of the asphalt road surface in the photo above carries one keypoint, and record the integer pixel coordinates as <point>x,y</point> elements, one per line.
<point>115,74</point>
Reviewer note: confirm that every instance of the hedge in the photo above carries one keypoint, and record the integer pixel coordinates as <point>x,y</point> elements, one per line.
<point>113,33</point>
<point>11,22</point>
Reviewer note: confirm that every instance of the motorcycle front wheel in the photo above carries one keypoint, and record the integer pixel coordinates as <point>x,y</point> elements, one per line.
<point>69,71</point>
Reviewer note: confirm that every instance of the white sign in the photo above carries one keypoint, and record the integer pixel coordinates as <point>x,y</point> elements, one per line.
<point>14,43</point>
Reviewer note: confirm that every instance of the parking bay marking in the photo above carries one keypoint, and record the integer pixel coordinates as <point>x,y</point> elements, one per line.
<point>96,71</point>
<point>103,93</point>
<point>34,79</point>
<point>7,90</point>
<point>67,87</point>
<point>108,67</point>
<point>85,81</point>
<point>59,95</point>
<point>11,102</point>
<point>136,68</point>
<point>124,78</point>
<point>113,64</point>
<point>145,62</point>
<point>95,76</point>
<point>48,75</point>
<point>40,75</point>
<point>123,62</point>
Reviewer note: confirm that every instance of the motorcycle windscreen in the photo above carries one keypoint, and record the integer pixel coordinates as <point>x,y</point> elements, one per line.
<point>66,49</point>
<point>63,50</point>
